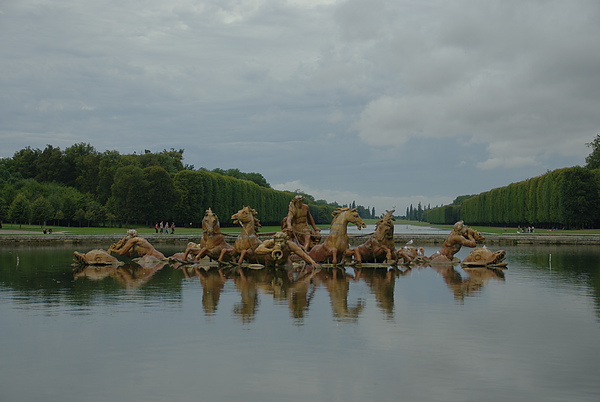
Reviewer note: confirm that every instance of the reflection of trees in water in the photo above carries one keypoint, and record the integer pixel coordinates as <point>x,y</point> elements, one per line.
<point>575,266</point>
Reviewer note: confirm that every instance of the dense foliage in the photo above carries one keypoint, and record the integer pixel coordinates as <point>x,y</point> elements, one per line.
<point>81,186</point>
<point>593,159</point>
<point>564,198</point>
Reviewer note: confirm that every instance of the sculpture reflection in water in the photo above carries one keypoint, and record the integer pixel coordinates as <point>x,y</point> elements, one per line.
<point>129,275</point>
<point>382,283</point>
<point>471,286</point>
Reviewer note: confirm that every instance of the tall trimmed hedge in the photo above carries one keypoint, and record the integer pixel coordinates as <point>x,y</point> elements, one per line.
<point>567,197</point>
<point>225,195</point>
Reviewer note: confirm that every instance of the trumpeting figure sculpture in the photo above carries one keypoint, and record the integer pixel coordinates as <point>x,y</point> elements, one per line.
<point>460,236</point>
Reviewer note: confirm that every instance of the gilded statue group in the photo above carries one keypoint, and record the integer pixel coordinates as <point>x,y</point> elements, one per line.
<point>299,239</point>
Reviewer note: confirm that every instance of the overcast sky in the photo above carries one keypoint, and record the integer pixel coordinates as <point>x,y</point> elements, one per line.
<point>382,102</point>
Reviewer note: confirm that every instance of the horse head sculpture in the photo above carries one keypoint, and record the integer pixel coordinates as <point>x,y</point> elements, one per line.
<point>336,244</point>
<point>379,247</point>
<point>247,241</point>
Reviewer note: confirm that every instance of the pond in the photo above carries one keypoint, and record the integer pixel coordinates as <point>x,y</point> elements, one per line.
<point>530,332</point>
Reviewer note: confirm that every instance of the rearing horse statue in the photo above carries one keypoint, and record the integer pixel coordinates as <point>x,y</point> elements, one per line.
<point>379,247</point>
<point>213,241</point>
<point>247,240</point>
<point>336,244</point>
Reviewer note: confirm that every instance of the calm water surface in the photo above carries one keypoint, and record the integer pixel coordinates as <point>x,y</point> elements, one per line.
<point>530,332</point>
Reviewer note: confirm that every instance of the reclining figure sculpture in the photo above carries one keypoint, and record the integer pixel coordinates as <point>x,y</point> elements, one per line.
<point>278,250</point>
<point>132,245</point>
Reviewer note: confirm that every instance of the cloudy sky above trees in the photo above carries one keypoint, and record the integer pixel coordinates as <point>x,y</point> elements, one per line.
<point>383,102</point>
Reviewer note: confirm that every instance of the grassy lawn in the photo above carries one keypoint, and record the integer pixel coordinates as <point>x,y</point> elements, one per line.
<point>119,231</point>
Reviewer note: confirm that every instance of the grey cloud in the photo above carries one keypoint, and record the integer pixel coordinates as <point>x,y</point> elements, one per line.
<point>373,97</point>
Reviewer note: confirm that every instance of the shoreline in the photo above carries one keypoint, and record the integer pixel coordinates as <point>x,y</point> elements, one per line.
<point>399,239</point>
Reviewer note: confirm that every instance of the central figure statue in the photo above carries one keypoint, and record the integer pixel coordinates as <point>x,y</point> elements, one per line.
<point>296,223</point>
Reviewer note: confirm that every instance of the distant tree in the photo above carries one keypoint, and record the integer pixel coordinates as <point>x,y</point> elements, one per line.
<point>41,210</point>
<point>161,196</point>
<point>236,173</point>
<point>593,159</point>
<point>58,216</point>
<point>20,209</point>
<point>110,161</point>
<point>79,216</point>
<point>25,162</point>
<point>168,160</point>
<point>52,166</point>
<point>128,197</point>
<point>3,211</point>
<point>95,213</point>
<point>77,159</point>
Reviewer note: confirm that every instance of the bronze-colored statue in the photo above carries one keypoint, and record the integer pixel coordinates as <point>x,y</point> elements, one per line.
<point>132,245</point>
<point>461,235</point>
<point>411,254</point>
<point>483,257</point>
<point>247,240</point>
<point>96,257</point>
<point>336,244</point>
<point>296,224</point>
<point>277,251</point>
<point>213,242</point>
<point>186,257</point>
<point>379,247</point>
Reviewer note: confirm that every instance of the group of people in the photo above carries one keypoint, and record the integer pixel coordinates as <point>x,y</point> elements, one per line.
<point>529,229</point>
<point>164,227</point>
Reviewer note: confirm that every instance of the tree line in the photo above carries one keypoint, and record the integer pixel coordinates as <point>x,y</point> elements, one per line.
<point>566,198</point>
<point>81,186</point>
